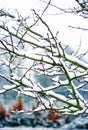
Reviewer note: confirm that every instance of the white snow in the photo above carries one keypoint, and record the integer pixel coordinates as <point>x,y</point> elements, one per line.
<point>9,87</point>
<point>76,61</point>
<point>2,91</point>
<point>27,93</point>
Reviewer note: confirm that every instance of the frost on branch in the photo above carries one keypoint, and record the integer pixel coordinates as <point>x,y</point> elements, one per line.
<point>25,52</point>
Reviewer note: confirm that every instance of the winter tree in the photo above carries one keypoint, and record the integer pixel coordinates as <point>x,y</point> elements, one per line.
<point>24,52</point>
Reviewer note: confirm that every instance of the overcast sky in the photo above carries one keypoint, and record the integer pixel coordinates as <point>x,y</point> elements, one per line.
<point>55,20</point>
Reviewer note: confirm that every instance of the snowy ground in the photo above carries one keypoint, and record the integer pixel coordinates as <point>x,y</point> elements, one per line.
<point>20,128</point>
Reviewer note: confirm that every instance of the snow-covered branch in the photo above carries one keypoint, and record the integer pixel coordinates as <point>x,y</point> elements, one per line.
<point>25,52</point>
